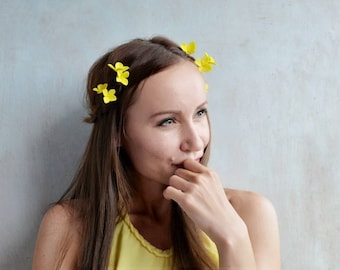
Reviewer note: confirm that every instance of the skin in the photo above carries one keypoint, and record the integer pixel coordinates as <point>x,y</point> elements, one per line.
<point>166,133</point>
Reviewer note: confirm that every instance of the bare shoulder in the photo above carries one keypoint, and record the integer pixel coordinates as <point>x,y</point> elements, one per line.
<point>250,204</point>
<point>57,242</point>
<point>259,215</point>
<point>57,218</point>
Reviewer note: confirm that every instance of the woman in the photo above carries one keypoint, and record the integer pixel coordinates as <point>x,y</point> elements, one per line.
<point>143,197</point>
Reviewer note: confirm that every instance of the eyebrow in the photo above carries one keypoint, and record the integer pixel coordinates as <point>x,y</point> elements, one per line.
<point>175,111</point>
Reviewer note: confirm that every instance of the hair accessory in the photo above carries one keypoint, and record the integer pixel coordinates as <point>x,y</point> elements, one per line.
<point>204,64</point>
<point>122,77</point>
<point>108,95</point>
<point>189,48</point>
<point>122,73</point>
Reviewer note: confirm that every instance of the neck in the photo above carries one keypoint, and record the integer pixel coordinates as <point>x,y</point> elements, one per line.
<point>150,214</point>
<point>149,201</point>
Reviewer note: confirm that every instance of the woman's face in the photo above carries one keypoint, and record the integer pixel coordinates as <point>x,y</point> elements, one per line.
<point>168,122</point>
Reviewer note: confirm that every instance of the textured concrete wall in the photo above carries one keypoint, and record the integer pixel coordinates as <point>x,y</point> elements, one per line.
<point>274,103</point>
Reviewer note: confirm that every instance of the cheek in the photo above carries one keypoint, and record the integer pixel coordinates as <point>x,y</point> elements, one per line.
<point>205,133</point>
<point>151,158</point>
<point>146,149</point>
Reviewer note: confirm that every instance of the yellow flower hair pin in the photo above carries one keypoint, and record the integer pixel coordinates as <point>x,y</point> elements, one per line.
<point>122,73</point>
<point>204,64</point>
<point>189,48</point>
<point>109,95</point>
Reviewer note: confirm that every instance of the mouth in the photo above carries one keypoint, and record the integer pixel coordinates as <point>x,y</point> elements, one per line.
<point>180,166</point>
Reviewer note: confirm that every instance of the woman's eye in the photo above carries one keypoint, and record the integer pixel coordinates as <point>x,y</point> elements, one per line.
<point>202,112</point>
<point>166,122</point>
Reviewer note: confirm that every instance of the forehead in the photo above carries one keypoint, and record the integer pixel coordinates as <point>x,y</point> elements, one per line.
<point>179,86</point>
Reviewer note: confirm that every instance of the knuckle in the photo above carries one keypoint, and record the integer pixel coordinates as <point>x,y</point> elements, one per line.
<point>211,174</point>
<point>198,178</point>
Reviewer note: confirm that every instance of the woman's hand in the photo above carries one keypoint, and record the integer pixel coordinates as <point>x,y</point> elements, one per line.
<point>199,192</point>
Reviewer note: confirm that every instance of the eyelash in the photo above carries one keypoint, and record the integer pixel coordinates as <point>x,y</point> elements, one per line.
<point>202,112</point>
<point>165,122</point>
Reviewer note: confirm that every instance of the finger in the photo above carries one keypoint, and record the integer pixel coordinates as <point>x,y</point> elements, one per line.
<point>171,193</point>
<point>193,165</point>
<point>179,183</point>
<point>185,201</point>
<point>188,175</point>
<point>185,174</point>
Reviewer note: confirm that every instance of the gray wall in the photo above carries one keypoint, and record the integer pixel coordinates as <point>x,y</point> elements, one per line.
<point>274,102</point>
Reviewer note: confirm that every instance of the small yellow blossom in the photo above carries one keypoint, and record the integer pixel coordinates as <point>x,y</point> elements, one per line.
<point>109,95</point>
<point>205,63</point>
<point>118,67</point>
<point>122,73</point>
<point>189,48</point>
<point>100,87</point>
<point>206,87</point>
<point>122,77</point>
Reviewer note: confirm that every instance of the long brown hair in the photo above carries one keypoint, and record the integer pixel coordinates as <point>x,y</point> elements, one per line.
<point>103,187</point>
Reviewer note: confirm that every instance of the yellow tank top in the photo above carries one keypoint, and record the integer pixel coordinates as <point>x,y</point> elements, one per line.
<point>131,251</point>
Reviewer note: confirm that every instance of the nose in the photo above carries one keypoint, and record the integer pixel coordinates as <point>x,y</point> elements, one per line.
<point>192,138</point>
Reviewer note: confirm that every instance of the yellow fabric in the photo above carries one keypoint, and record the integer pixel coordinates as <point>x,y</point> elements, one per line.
<point>131,251</point>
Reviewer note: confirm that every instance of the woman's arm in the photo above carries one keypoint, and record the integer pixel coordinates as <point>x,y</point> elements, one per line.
<point>57,243</point>
<point>259,216</point>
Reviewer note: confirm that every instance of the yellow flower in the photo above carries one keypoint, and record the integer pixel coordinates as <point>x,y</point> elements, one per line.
<point>206,87</point>
<point>100,87</point>
<point>118,67</point>
<point>122,73</point>
<point>122,77</point>
<point>109,95</point>
<point>189,48</point>
<point>205,63</point>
